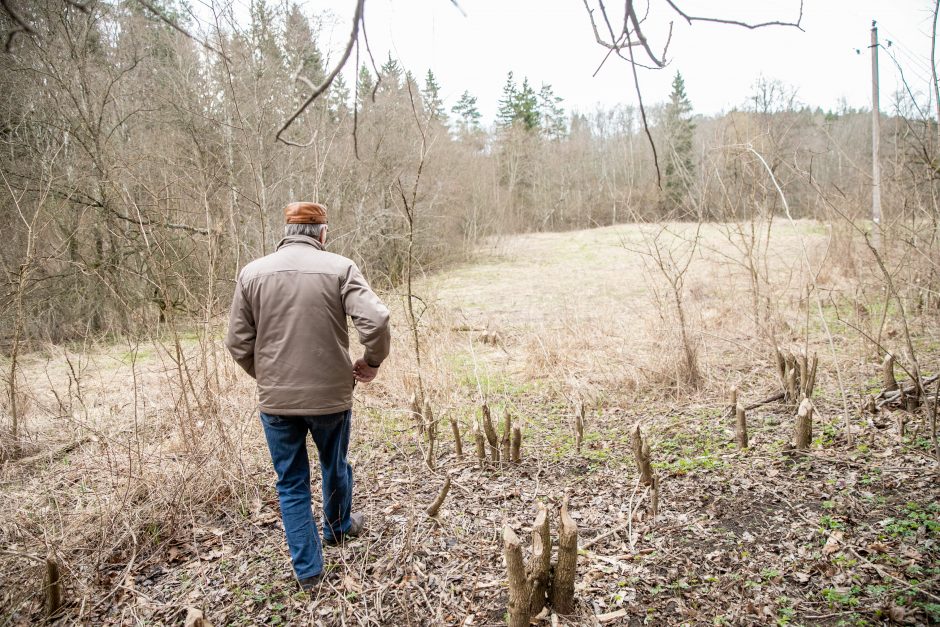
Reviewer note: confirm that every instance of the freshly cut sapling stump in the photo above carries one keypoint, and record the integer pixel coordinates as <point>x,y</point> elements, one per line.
<point>797,375</point>
<point>733,404</point>
<point>432,434</point>
<point>458,445</point>
<point>641,451</point>
<point>654,498</point>
<point>518,584</point>
<point>53,587</point>
<point>887,374</point>
<point>803,430</point>
<point>540,562</point>
<point>505,441</point>
<point>566,569</point>
<point>516,449</point>
<point>740,426</point>
<point>579,426</point>
<point>480,443</point>
<point>490,432</point>
<point>436,505</point>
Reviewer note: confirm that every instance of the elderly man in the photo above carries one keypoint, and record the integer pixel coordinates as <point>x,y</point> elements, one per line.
<point>288,330</point>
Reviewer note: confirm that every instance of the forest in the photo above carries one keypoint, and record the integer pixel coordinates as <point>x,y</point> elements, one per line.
<point>672,349</point>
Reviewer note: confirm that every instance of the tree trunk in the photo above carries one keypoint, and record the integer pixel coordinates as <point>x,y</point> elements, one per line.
<point>579,426</point>
<point>641,451</point>
<point>416,413</point>
<point>428,419</point>
<point>567,567</point>
<point>458,445</point>
<point>516,449</point>
<point>740,427</point>
<point>490,432</point>
<point>803,432</point>
<point>505,442</point>
<point>887,373</point>
<point>540,562</point>
<point>518,585</point>
<point>53,587</point>
<point>480,443</point>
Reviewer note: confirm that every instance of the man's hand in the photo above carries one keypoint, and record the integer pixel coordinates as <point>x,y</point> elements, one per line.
<point>363,372</point>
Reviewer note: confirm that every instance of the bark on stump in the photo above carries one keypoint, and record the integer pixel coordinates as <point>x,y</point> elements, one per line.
<point>436,505</point>
<point>505,443</point>
<point>480,443</point>
<point>740,426</point>
<point>490,432</point>
<point>541,561</point>
<point>567,566</point>
<point>887,373</point>
<point>803,429</point>
<point>797,375</point>
<point>53,587</point>
<point>518,585</point>
<point>579,426</point>
<point>516,448</point>
<point>458,445</point>
<point>641,451</point>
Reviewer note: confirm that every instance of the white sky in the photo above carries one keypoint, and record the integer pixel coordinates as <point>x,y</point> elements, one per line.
<point>552,41</point>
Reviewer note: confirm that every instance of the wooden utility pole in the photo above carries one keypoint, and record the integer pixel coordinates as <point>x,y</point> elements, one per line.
<point>875,141</point>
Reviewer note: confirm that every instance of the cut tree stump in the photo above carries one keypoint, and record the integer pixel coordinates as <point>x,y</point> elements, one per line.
<point>797,375</point>
<point>516,447</point>
<point>458,445</point>
<point>803,429</point>
<point>641,451</point>
<point>435,507</point>
<point>505,443</point>
<point>579,426</point>
<point>541,561</point>
<point>518,584</point>
<point>53,587</point>
<point>566,569</point>
<point>480,443</point>
<point>740,426</point>
<point>887,374</point>
<point>490,432</point>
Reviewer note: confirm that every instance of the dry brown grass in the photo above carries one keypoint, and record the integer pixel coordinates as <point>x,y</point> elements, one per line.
<point>168,501</point>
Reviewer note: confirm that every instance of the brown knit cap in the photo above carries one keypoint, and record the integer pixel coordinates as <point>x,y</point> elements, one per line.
<point>305,213</point>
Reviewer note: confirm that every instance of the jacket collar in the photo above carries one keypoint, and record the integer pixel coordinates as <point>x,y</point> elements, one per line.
<point>299,239</point>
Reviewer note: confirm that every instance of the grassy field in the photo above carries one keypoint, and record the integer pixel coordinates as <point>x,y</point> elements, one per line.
<point>147,478</point>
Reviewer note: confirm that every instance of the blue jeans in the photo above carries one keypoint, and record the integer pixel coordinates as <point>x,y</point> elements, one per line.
<point>287,442</point>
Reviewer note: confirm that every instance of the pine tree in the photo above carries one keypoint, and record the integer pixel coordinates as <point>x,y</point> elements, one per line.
<point>677,118</point>
<point>527,106</point>
<point>302,55</point>
<point>391,74</point>
<point>364,86</point>
<point>506,113</point>
<point>431,94</point>
<point>468,116</point>
<point>551,113</point>
<point>338,97</point>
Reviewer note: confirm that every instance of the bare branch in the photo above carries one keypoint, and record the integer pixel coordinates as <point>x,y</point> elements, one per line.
<point>716,20</point>
<point>353,38</point>
<point>175,26</point>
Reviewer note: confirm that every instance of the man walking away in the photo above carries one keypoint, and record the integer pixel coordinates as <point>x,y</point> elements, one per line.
<point>288,330</point>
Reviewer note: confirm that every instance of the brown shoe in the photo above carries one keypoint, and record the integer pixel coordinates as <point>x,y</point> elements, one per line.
<point>357,522</point>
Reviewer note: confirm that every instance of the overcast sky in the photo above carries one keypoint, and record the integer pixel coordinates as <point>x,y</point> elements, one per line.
<point>551,41</point>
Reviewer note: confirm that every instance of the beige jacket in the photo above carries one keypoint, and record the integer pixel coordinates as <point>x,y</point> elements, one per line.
<point>288,327</point>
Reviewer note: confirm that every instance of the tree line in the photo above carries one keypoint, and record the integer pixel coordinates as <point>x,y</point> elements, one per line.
<point>141,169</point>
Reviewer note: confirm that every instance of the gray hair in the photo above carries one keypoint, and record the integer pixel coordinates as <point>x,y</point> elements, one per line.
<point>310,230</point>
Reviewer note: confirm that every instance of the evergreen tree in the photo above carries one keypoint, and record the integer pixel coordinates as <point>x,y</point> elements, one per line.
<point>431,94</point>
<point>364,86</point>
<point>302,55</point>
<point>526,106</point>
<point>391,74</point>
<point>677,118</point>
<point>506,113</point>
<point>468,116</point>
<point>338,97</point>
<point>551,113</point>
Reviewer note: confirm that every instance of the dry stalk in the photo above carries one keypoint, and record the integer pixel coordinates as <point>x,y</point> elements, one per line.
<point>434,507</point>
